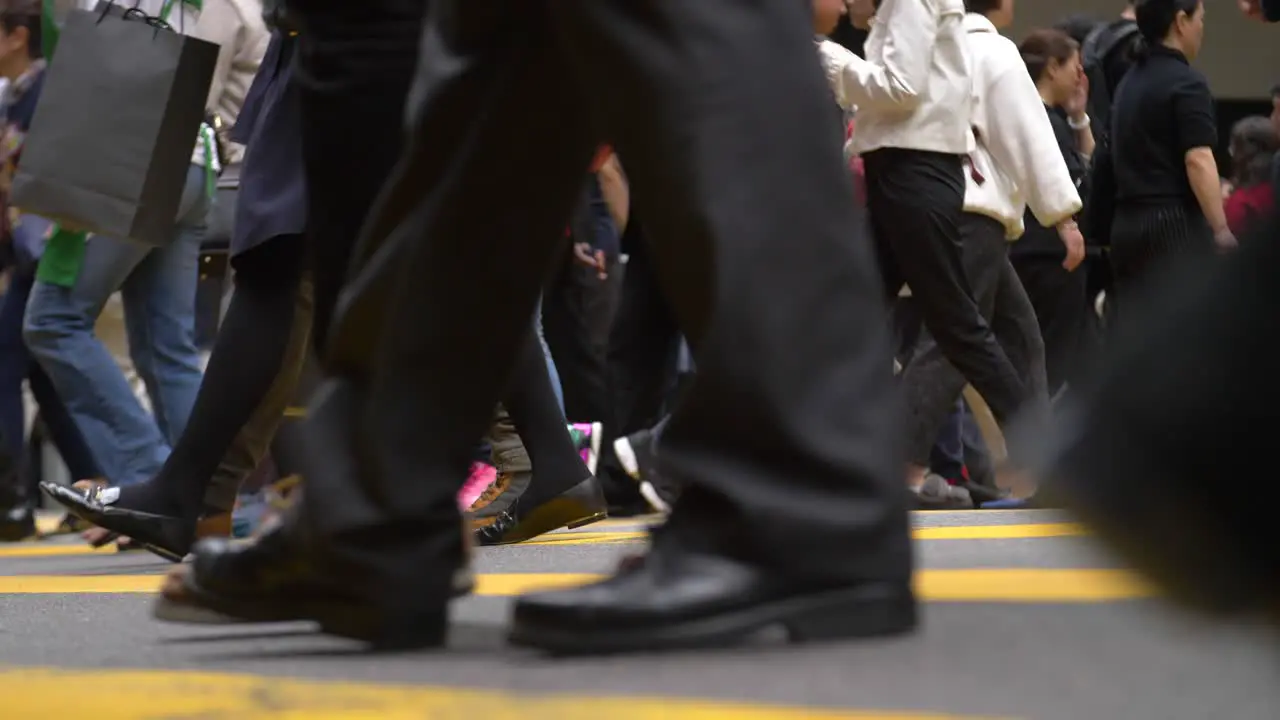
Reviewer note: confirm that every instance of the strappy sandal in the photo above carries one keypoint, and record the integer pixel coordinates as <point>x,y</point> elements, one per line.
<point>164,535</point>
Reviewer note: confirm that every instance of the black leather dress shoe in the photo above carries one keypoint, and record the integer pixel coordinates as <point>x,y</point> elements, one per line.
<point>522,520</point>
<point>17,522</point>
<point>272,580</point>
<point>670,601</point>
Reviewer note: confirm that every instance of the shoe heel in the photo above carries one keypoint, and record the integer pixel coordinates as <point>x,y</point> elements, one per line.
<point>588,521</point>
<point>856,613</point>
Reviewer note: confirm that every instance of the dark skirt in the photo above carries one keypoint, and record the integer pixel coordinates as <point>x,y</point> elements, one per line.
<point>272,197</point>
<point>1146,238</point>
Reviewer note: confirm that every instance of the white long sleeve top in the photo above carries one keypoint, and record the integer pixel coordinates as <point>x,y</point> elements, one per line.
<point>1017,153</point>
<point>913,89</point>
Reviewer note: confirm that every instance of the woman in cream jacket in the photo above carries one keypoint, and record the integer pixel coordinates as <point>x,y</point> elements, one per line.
<point>1015,162</point>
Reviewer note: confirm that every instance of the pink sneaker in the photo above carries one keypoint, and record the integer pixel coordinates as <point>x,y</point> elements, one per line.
<point>586,437</point>
<point>482,476</point>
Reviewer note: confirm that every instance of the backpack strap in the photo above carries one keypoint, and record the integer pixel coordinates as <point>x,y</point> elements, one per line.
<point>1102,41</point>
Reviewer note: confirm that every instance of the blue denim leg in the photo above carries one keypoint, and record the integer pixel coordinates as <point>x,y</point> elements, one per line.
<point>62,428</point>
<point>947,456</point>
<point>977,458</point>
<point>59,330</point>
<point>546,352</point>
<point>16,365</point>
<point>160,317</point>
<point>14,361</point>
<point>59,333</point>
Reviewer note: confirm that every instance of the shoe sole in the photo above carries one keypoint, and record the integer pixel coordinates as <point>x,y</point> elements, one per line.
<point>344,619</point>
<point>166,610</point>
<point>829,616</point>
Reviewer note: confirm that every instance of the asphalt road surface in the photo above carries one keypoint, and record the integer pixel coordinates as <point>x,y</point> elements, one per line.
<point>1025,617</point>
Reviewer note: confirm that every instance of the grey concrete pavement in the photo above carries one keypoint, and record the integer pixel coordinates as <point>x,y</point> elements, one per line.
<point>1127,660</point>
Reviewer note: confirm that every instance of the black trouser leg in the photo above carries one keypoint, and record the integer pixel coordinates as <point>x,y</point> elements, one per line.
<point>931,380</point>
<point>781,440</point>
<point>426,391</point>
<point>916,202</point>
<point>640,359</point>
<point>644,340</point>
<point>1058,297</point>
<point>354,66</point>
<point>571,309</point>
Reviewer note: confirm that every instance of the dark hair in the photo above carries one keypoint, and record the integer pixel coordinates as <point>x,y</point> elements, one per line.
<point>1155,19</point>
<point>1275,90</point>
<point>1077,27</point>
<point>1254,144</point>
<point>1044,46</point>
<point>982,7</point>
<point>27,14</point>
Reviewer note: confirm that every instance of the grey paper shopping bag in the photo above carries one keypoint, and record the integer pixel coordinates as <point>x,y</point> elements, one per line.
<point>116,126</point>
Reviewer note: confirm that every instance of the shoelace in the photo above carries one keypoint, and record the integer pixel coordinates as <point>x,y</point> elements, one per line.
<point>280,493</point>
<point>491,493</point>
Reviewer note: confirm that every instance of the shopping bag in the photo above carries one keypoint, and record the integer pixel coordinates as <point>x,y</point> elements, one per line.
<point>116,126</point>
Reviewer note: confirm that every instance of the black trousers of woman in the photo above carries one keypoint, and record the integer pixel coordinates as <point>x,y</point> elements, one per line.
<point>932,381</point>
<point>916,200</point>
<point>1061,303</point>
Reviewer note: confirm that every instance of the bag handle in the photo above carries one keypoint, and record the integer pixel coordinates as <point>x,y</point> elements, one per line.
<point>158,23</point>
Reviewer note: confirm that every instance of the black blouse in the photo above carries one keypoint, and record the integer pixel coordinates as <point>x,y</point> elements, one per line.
<point>1162,109</point>
<point>1039,240</point>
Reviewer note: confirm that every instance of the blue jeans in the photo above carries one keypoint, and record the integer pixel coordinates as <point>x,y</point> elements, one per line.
<point>546,353</point>
<point>958,437</point>
<point>158,288</point>
<point>16,366</point>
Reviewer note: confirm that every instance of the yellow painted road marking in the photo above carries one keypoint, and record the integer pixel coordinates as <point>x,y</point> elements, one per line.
<point>999,532</point>
<point>130,695</point>
<point>586,538</point>
<point>996,585</point>
<point>958,532</point>
<point>36,550</point>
